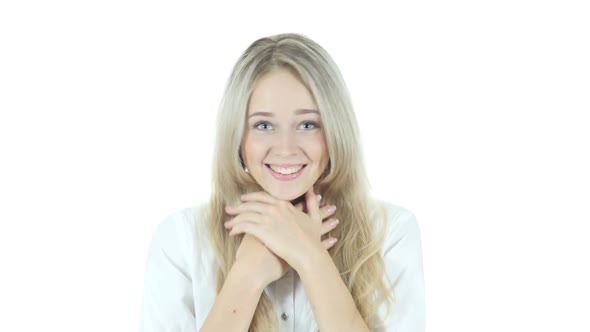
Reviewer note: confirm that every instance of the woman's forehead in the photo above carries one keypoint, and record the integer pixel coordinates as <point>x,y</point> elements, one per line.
<point>281,91</point>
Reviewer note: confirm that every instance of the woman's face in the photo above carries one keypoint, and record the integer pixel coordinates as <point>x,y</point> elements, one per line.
<point>284,147</point>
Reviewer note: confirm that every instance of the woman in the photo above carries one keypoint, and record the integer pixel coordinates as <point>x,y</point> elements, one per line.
<point>290,240</point>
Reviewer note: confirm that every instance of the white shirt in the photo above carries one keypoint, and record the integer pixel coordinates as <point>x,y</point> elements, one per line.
<point>180,278</point>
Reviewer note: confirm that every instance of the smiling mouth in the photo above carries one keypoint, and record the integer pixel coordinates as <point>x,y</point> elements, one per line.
<point>285,169</point>
<point>286,172</point>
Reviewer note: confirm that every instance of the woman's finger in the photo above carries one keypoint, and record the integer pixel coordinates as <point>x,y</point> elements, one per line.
<point>259,196</point>
<point>248,228</point>
<point>329,243</point>
<point>326,211</point>
<point>252,217</point>
<point>253,206</point>
<point>313,205</point>
<point>328,225</point>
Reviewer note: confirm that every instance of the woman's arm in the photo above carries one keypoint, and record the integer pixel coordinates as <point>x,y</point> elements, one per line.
<point>255,267</point>
<point>404,267</point>
<point>331,302</point>
<point>235,305</point>
<point>167,299</point>
<point>296,237</point>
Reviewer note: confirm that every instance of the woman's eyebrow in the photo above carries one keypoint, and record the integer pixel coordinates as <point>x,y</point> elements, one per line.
<point>261,114</point>
<point>306,111</point>
<point>297,111</point>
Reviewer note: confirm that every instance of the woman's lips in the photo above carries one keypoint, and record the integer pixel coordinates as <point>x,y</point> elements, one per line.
<point>285,168</point>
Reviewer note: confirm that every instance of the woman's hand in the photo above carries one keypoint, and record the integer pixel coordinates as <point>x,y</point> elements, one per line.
<point>257,258</point>
<point>285,229</point>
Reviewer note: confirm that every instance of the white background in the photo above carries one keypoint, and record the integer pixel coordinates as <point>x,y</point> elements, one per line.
<point>473,116</point>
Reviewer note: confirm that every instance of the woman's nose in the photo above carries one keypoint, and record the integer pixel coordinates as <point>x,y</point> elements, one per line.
<point>286,144</point>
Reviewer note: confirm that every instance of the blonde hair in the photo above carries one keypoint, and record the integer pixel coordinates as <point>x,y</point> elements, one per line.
<point>344,184</point>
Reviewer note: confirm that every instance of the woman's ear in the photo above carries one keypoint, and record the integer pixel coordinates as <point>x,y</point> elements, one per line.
<point>242,160</point>
<point>326,171</point>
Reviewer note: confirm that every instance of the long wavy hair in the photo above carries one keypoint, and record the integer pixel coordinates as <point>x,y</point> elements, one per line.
<point>344,183</point>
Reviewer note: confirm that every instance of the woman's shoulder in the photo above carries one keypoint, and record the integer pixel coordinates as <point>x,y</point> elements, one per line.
<point>392,214</point>
<point>184,217</point>
<point>402,258</point>
<point>181,226</point>
<point>396,222</point>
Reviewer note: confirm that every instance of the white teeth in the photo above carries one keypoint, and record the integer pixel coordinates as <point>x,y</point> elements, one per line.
<point>286,171</point>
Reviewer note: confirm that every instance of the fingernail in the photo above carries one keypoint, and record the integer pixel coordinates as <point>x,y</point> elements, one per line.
<point>334,223</point>
<point>331,209</point>
<point>333,240</point>
<point>226,224</point>
<point>319,198</point>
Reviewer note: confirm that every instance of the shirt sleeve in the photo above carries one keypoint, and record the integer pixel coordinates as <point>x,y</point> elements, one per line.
<point>403,263</point>
<point>167,301</point>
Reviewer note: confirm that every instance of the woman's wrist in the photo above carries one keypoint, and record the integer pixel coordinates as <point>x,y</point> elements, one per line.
<point>244,272</point>
<point>236,303</point>
<point>313,259</point>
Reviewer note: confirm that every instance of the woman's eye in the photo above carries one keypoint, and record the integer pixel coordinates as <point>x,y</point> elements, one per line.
<point>309,125</point>
<point>263,126</point>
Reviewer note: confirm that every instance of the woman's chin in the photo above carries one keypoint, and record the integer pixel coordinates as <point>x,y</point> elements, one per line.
<point>293,197</point>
